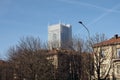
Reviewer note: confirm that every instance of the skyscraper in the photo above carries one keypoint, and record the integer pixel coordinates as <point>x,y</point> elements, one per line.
<point>59,35</point>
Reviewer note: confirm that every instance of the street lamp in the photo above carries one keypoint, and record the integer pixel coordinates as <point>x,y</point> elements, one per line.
<point>85,28</point>
<point>89,39</point>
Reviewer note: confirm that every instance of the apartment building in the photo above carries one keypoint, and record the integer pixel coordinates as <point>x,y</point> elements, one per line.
<point>107,59</point>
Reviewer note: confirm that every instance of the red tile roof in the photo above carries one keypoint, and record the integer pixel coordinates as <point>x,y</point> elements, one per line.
<point>2,62</point>
<point>112,41</point>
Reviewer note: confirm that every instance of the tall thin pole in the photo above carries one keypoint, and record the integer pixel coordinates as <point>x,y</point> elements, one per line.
<point>89,39</point>
<point>85,28</point>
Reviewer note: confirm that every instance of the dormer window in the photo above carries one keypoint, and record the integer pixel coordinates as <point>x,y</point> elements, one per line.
<point>118,53</point>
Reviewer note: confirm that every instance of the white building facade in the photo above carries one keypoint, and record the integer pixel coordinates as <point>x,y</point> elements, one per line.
<point>59,35</point>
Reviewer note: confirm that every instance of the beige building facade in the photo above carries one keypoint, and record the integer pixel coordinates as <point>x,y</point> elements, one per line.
<point>107,58</point>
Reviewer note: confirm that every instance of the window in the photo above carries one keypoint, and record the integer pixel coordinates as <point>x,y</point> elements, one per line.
<point>118,53</point>
<point>102,54</point>
<point>117,78</point>
<point>118,69</point>
<point>54,37</point>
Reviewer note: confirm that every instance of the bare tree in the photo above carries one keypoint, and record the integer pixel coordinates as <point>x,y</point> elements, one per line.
<point>79,60</point>
<point>100,69</point>
<point>72,65</point>
<point>86,58</point>
<point>73,62</point>
<point>78,44</point>
<point>29,60</point>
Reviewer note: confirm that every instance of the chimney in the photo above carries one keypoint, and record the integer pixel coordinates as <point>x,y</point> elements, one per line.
<point>116,36</point>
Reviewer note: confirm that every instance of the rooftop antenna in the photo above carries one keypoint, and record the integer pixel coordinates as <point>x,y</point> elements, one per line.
<point>48,24</point>
<point>60,22</point>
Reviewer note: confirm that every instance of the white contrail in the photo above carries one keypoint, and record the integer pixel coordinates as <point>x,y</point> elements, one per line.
<point>88,5</point>
<point>103,15</point>
<point>106,10</point>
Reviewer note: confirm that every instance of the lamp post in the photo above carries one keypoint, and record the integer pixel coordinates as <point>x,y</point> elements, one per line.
<point>89,39</point>
<point>85,28</point>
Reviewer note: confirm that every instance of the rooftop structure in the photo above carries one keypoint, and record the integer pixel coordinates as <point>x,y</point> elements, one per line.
<point>114,40</point>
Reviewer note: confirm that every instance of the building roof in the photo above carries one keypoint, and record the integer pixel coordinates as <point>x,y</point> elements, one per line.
<point>114,40</point>
<point>2,62</point>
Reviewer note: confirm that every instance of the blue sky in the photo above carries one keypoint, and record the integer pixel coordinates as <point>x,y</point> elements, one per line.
<point>20,18</point>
